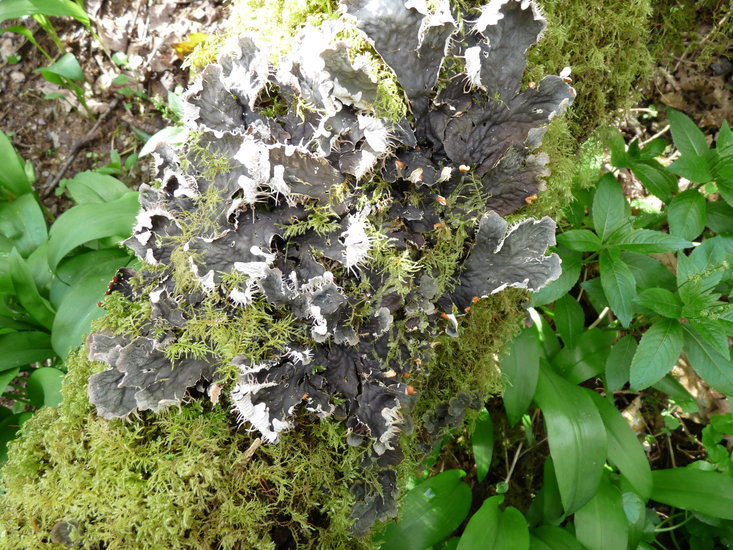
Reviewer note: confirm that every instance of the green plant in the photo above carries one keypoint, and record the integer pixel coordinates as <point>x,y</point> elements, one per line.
<point>599,490</point>
<point>51,280</point>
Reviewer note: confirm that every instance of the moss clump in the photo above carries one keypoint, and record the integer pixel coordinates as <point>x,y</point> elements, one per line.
<point>183,479</point>
<point>606,47</point>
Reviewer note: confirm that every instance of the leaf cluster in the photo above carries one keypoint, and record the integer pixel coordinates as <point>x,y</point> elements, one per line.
<point>51,279</point>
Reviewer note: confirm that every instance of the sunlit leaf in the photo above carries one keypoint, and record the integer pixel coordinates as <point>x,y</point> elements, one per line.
<point>44,387</point>
<point>482,440</point>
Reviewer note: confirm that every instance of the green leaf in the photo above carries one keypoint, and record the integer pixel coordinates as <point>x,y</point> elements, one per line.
<point>9,427</point>
<point>618,364</point>
<point>649,241</point>
<point>27,293</point>
<point>6,377</point>
<point>21,348</point>
<point>624,449</point>
<point>576,437</point>
<point>66,67</point>
<point>87,222</point>
<point>12,9</point>
<point>491,529</point>
<point>616,143</point>
<point>547,537</point>
<point>719,217</point>
<point>691,167</point>
<point>594,291</point>
<point>713,334</point>
<point>581,240</point>
<point>547,505</point>
<point>23,223</point>
<point>654,148</point>
<point>482,440</point>
<point>430,512</point>
<point>661,301</point>
<point>686,214</point>
<point>687,137</point>
<point>715,368</point>
<point>520,368</point>
<point>601,524</point>
<point>608,206</point>
<point>649,272</point>
<point>92,187</point>
<point>44,387</point>
<point>571,264</point>
<point>635,512</point>
<point>586,360</point>
<point>658,351</point>
<point>549,343</point>
<point>619,287</point>
<point>657,180</point>
<point>707,492</point>
<point>12,176</point>
<point>79,307</point>
<point>569,320</point>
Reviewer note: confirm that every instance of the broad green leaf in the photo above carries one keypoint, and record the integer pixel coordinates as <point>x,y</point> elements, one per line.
<point>649,272</point>
<point>624,449</point>
<point>635,512</point>
<point>547,537</point>
<point>38,264</point>
<point>12,9</point>
<point>649,241</point>
<point>618,364</point>
<point>27,293</point>
<point>608,206</point>
<point>547,505</point>
<point>520,367</point>
<point>482,440</point>
<point>713,367</point>
<point>12,176</point>
<point>571,264</point>
<point>719,217</point>
<point>691,167</point>
<point>569,320</point>
<point>44,387</point>
<point>686,214</point>
<point>661,301</point>
<point>22,222</point>
<point>549,343</point>
<point>430,512</point>
<point>654,148</point>
<point>601,524</point>
<point>687,137</point>
<point>9,427</point>
<point>658,351</point>
<point>87,222</point>
<point>79,307</point>
<point>66,67</point>
<point>586,360</point>
<point>93,187</point>
<point>594,290</point>
<point>713,333</point>
<point>581,240</point>
<point>657,180</point>
<point>619,287</point>
<point>492,529</point>
<point>712,251</point>
<point>21,348</point>
<point>669,385</point>
<point>707,492</point>
<point>6,377</point>
<point>725,137</point>
<point>617,145</point>
<point>576,437</point>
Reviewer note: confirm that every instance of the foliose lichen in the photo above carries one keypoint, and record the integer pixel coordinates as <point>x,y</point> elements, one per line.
<point>342,242</point>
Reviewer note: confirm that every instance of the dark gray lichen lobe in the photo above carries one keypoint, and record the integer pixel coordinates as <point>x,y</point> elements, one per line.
<point>326,211</point>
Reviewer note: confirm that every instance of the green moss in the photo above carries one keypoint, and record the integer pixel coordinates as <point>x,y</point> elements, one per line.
<point>606,46</point>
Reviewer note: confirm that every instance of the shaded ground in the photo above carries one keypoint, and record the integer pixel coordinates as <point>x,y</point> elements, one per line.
<point>140,38</point>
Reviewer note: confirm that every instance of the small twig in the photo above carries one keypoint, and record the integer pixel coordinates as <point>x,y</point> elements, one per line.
<point>247,456</point>
<point>52,182</point>
<point>702,41</point>
<point>514,462</point>
<point>671,451</point>
<point>600,317</point>
<point>660,133</point>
